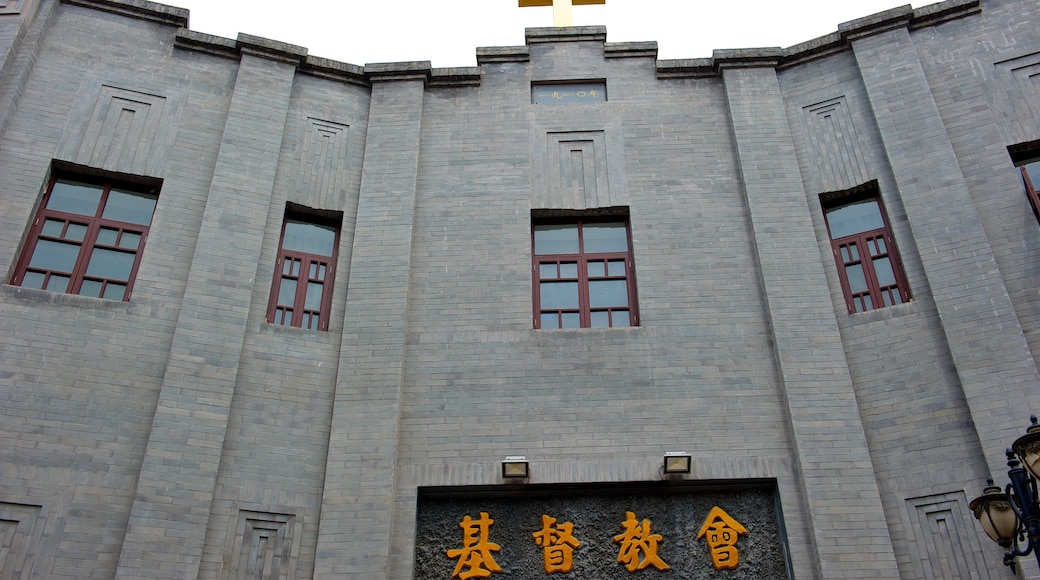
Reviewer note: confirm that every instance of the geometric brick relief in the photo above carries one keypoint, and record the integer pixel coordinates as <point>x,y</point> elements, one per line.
<point>10,6</point>
<point>836,156</point>
<point>265,547</point>
<point>20,530</point>
<point>577,171</point>
<point>1024,86</point>
<point>323,170</point>
<point>946,539</point>
<point>126,130</point>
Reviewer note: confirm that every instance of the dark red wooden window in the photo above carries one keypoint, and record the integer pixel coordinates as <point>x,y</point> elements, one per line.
<point>865,252</point>
<point>87,238</point>
<point>584,275</point>
<point>301,293</point>
<point>1031,179</point>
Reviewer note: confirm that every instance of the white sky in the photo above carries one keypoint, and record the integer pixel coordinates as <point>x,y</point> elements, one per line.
<point>448,32</point>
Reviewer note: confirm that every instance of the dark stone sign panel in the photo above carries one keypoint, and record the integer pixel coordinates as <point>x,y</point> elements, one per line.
<point>661,540</point>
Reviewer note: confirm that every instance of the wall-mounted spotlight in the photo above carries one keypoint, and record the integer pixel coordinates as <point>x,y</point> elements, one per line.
<point>677,462</point>
<point>515,467</point>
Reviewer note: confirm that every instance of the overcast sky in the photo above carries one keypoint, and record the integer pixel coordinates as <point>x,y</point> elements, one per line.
<point>448,32</point>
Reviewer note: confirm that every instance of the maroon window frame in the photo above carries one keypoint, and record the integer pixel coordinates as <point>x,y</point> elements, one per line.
<point>87,238</point>
<point>301,292</point>
<point>583,272</point>
<point>1031,179</point>
<point>865,253</point>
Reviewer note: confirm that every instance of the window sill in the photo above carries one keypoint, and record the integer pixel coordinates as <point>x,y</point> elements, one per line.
<point>882,313</point>
<point>62,299</point>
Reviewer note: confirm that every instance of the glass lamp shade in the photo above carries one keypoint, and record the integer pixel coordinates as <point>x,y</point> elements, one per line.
<point>993,510</point>
<point>1027,447</point>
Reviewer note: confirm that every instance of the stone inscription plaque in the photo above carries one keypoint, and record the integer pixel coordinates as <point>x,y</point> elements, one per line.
<point>601,532</point>
<point>568,93</point>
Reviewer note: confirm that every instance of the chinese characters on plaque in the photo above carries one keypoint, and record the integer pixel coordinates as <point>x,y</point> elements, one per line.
<point>637,544</point>
<point>568,93</point>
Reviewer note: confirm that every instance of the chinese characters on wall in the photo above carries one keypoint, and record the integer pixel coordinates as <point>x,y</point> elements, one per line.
<point>637,544</point>
<point>568,93</point>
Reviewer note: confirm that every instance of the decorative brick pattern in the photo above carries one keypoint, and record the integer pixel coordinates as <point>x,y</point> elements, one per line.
<point>322,172</point>
<point>126,130</point>
<point>946,540</point>
<point>19,540</point>
<point>836,153</point>
<point>265,546</point>
<point>578,169</point>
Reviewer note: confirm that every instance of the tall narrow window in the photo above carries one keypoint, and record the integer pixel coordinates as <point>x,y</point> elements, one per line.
<point>868,263</point>
<point>87,238</point>
<point>301,294</point>
<point>584,275</point>
<point>1031,179</point>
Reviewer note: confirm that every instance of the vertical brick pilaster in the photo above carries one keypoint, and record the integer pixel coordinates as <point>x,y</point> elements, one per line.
<point>357,505</point>
<point>172,504</point>
<point>989,350</point>
<point>837,475</point>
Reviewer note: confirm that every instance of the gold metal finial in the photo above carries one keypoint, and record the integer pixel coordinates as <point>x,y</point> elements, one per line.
<point>561,9</point>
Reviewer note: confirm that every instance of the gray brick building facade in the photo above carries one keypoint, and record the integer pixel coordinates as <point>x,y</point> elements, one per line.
<point>172,430</point>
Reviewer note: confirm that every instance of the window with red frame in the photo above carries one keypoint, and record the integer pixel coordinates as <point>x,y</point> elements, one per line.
<point>1031,179</point>
<point>584,275</point>
<point>87,238</point>
<point>301,294</point>
<point>868,264</point>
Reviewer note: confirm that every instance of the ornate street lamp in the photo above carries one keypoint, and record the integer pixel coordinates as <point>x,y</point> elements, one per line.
<point>1012,518</point>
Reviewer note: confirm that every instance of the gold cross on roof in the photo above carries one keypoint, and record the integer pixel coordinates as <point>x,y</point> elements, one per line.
<point>561,8</point>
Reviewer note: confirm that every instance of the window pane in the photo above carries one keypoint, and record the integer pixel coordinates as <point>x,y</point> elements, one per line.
<point>608,293</point>
<point>559,295</point>
<point>547,271</point>
<point>556,239</point>
<point>605,237</point>
<point>283,316</point>
<point>857,283</point>
<point>114,291</point>
<point>110,264</point>
<point>74,197</point>
<point>287,292</point>
<point>616,268</point>
<point>107,236</point>
<point>597,269</point>
<point>130,240</point>
<point>57,256</point>
<point>90,288</point>
<point>571,320</point>
<point>883,271</point>
<point>309,238</point>
<point>129,206</point>
<point>313,300</point>
<point>75,232</point>
<point>621,318</point>
<point>853,218</point>
<point>52,228</point>
<point>550,320</point>
<point>600,319</point>
<point>58,283</point>
<point>1033,169</point>
<point>33,280</point>
<point>869,304</point>
<point>569,270</point>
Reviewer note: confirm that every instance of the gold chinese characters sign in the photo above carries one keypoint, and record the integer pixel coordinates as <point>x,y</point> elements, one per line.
<point>675,533</point>
<point>637,550</point>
